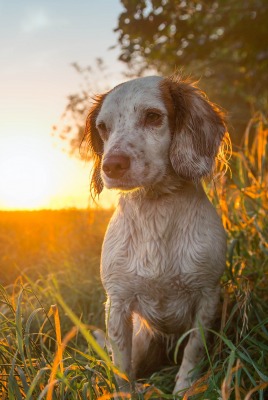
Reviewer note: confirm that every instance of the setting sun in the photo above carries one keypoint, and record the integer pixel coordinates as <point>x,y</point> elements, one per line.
<point>35,174</point>
<point>26,173</point>
<point>27,181</point>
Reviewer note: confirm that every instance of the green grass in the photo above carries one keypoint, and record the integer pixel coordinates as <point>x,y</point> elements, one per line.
<point>51,298</point>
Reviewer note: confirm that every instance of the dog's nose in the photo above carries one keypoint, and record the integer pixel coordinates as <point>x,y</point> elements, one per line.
<point>116,166</point>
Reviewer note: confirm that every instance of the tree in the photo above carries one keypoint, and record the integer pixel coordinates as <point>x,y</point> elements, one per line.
<point>223,42</point>
<point>71,128</point>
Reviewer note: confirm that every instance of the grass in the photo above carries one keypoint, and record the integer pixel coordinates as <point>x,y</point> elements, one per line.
<point>51,298</point>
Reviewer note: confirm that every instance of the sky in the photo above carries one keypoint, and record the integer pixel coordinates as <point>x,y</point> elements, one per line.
<point>39,39</point>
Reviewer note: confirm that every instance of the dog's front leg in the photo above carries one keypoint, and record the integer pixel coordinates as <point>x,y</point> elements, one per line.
<point>119,325</point>
<point>194,349</point>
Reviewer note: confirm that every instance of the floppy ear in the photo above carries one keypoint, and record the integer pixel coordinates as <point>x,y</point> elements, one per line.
<point>95,145</point>
<point>198,129</point>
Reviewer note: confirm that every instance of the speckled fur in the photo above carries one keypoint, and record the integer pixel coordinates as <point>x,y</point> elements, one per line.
<point>164,250</point>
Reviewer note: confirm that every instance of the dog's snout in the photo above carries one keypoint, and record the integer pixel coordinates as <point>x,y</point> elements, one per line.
<point>116,166</point>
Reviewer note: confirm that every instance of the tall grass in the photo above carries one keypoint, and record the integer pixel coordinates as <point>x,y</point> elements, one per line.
<point>47,314</point>
<point>39,242</point>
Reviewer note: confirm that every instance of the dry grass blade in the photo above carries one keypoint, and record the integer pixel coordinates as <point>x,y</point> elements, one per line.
<point>58,336</point>
<point>91,340</point>
<point>227,388</point>
<point>114,395</point>
<point>262,386</point>
<point>58,358</point>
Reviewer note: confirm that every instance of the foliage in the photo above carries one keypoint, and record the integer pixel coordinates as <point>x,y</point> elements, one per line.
<point>71,127</point>
<point>46,349</point>
<point>224,42</point>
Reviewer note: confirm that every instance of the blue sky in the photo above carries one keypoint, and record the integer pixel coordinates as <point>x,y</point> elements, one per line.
<point>39,39</point>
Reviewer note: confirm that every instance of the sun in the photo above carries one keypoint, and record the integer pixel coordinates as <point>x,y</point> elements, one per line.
<point>25,174</point>
<point>27,183</point>
<point>34,174</point>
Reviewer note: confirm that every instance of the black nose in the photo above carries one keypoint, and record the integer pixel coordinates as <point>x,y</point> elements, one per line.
<point>116,166</point>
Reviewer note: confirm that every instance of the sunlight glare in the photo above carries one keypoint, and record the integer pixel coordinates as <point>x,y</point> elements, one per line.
<point>34,174</point>
<point>25,180</point>
<point>27,183</point>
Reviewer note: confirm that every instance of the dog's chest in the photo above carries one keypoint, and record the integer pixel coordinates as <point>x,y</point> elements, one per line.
<point>150,263</point>
<point>151,242</point>
<point>140,243</point>
<point>168,305</point>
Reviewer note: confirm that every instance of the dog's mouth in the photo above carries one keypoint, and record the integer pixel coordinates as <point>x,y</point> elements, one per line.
<point>124,183</point>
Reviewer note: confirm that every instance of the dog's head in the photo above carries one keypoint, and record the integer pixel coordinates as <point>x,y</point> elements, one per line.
<point>141,128</point>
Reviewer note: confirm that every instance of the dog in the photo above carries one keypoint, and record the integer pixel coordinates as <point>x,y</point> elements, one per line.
<point>154,139</point>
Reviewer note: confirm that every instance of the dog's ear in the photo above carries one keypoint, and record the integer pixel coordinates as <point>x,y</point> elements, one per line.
<point>95,145</point>
<point>197,127</point>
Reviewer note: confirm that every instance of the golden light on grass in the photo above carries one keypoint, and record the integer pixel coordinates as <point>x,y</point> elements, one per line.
<point>49,352</point>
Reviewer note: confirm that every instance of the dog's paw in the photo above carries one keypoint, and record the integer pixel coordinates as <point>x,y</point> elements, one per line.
<point>181,386</point>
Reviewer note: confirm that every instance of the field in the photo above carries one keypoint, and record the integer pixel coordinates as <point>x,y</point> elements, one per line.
<point>51,297</point>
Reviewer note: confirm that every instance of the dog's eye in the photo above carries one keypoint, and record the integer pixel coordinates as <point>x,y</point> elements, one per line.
<point>153,118</point>
<point>102,128</point>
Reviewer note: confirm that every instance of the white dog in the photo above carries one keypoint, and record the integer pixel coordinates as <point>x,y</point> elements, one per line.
<point>154,139</point>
